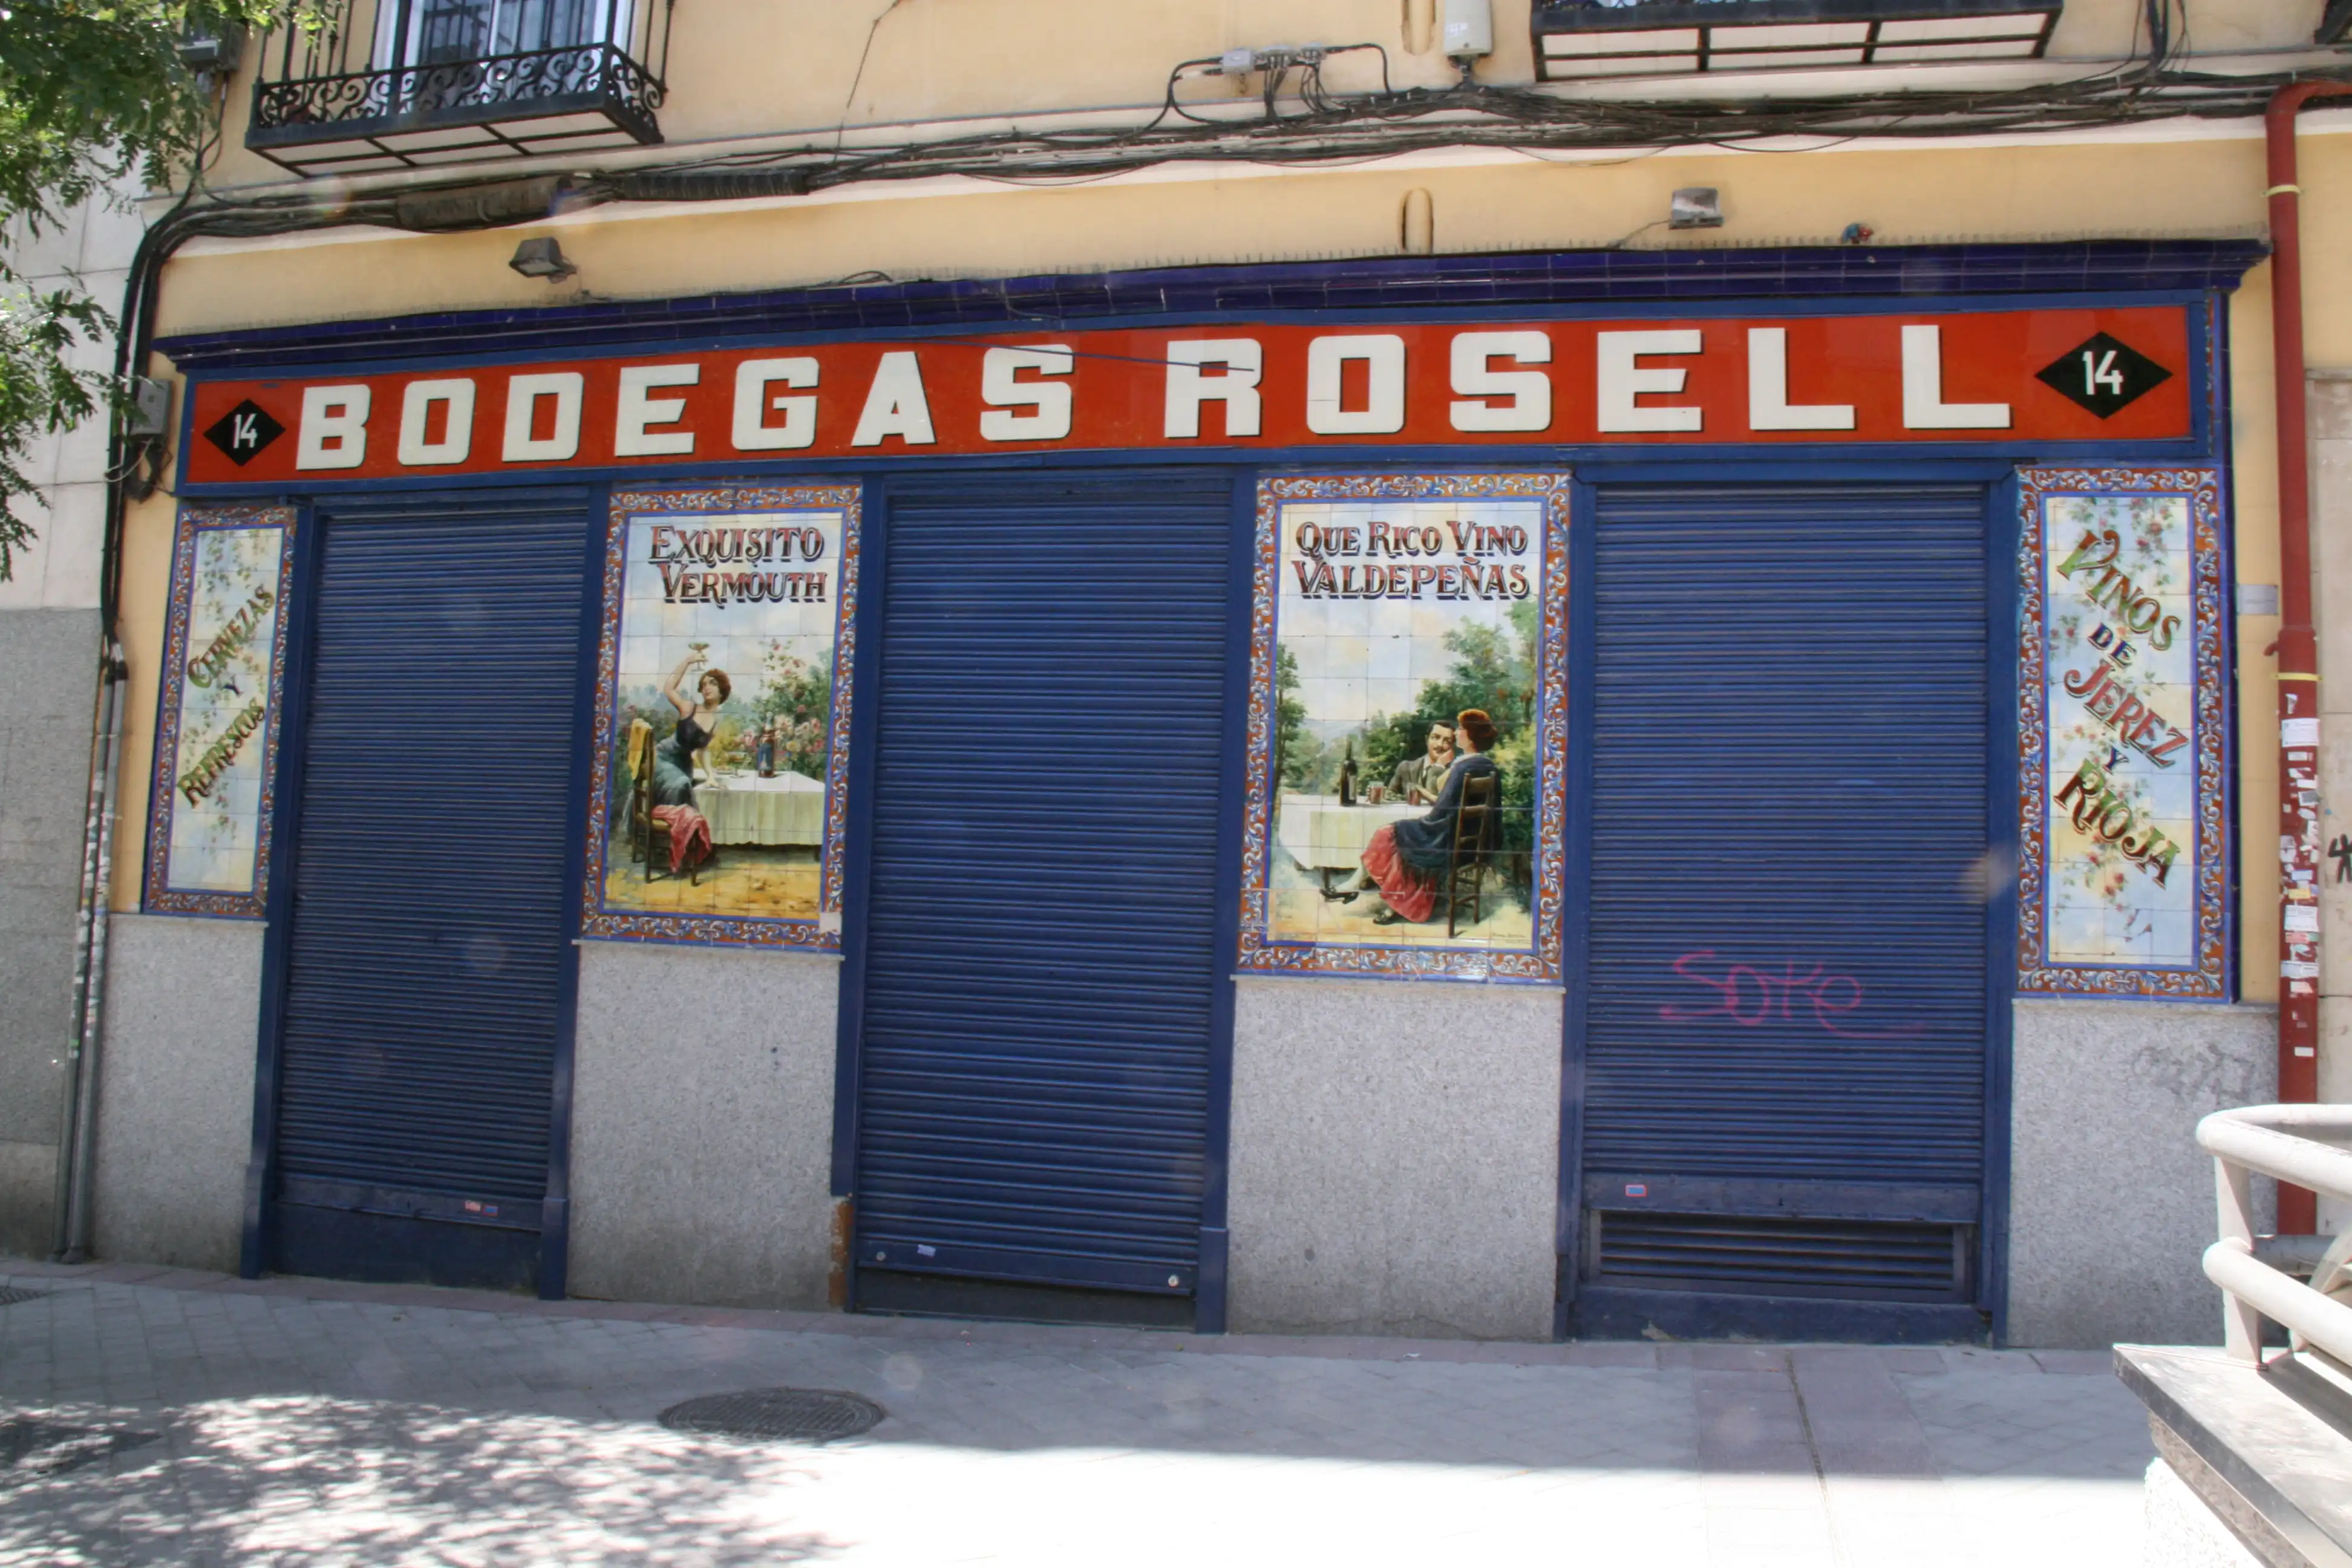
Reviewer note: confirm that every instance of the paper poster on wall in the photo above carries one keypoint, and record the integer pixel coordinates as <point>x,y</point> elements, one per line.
<point>719,783</point>
<point>1408,727</point>
<point>216,732</point>
<point>2123,875</point>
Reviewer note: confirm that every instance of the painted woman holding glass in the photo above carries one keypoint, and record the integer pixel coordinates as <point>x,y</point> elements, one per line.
<point>675,760</point>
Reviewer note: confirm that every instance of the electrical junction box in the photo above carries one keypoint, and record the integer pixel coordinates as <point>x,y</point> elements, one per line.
<point>150,411</point>
<point>1469,28</point>
<point>1696,207</point>
<point>217,49</point>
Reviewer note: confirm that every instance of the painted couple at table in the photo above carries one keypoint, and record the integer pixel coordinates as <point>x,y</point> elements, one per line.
<point>675,759</point>
<point>1420,780</point>
<point>1404,864</point>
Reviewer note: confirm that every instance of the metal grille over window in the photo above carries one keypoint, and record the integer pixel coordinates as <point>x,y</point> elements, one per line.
<point>417,83</point>
<point>1581,41</point>
<point>1856,1258</point>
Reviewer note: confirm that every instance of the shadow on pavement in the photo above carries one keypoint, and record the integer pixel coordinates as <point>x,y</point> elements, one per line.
<point>318,1480</point>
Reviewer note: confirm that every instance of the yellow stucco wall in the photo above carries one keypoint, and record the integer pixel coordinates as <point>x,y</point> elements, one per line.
<point>759,68</point>
<point>2207,181</point>
<point>146,592</point>
<point>2254,485</point>
<point>2205,186</point>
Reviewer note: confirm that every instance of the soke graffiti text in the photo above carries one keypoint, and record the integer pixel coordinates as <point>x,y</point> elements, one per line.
<point>1752,996</point>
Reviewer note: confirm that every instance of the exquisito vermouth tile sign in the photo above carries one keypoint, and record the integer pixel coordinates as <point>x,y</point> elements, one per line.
<point>2123,872</point>
<point>719,778</point>
<point>217,739</point>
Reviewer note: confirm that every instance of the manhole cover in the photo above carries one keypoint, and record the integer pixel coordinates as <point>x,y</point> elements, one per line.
<point>10,1295</point>
<point>786,1415</point>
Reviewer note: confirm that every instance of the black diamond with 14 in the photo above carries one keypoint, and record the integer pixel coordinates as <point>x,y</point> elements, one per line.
<point>244,431</point>
<point>2103,375</point>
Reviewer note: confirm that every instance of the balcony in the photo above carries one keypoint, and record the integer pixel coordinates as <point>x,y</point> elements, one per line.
<point>405,84</point>
<point>1583,40</point>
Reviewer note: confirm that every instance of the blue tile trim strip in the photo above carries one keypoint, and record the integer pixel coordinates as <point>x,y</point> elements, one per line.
<point>1539,278</point>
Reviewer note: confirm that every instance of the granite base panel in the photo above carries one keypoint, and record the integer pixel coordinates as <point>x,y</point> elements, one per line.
<point>2111,1203</point>
<point>1395,1159</point>
<point>701,1155</point>
<point>175,1090</point>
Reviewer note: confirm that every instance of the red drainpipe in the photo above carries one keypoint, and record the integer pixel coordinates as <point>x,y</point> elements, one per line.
<point>2298,651</point>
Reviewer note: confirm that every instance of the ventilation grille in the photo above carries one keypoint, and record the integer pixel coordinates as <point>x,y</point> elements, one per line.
<point>1859,1260</point>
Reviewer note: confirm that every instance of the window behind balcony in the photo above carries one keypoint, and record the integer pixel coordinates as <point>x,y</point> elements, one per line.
<point>453,32</point>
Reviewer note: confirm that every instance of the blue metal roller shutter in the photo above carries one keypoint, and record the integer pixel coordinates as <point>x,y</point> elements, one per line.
<point>1789,733</point>
<point>428,954</point>
<point>1040,953</point>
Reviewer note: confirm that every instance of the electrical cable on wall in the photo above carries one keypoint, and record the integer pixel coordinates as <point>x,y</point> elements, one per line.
<point>1327,129</point>
<point>1390,122</point>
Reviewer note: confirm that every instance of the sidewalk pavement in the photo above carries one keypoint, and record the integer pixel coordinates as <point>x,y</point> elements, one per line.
<point>162,1416</point>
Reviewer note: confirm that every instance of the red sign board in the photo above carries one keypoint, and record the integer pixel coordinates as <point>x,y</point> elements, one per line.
<point>2088,374</point>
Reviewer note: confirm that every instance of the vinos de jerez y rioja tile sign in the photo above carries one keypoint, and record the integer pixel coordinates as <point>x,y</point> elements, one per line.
<point>216,732</point>
<point>2124,868</point>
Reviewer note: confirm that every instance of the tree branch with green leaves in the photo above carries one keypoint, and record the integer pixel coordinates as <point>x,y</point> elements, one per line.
<point>92,94</point>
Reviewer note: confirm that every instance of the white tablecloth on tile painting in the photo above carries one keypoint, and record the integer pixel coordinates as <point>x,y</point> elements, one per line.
<point>1321,834</point>
<point>744,808</point>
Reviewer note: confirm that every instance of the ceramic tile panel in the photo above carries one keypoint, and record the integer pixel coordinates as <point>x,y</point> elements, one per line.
<point>217,726</point>
<point>2122,880</point>
<point>719,782</point>
<point>1387,606</point>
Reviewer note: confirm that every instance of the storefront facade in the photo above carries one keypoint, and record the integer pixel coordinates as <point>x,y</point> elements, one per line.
<point>1410,747</point>
<point>1019,866</point>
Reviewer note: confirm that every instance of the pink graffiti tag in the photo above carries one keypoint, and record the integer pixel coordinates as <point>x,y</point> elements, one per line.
<point>1749,996</point>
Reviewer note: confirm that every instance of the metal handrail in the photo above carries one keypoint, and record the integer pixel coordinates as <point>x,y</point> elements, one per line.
<point>2285,1141</point>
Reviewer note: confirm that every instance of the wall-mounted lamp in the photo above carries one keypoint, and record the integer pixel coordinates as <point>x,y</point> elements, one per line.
<point>1694,207</point>
<point>541,259</point>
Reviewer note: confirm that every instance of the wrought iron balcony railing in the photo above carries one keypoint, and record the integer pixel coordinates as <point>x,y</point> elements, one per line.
<point>392,84</point>
<point>1582,41</point>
